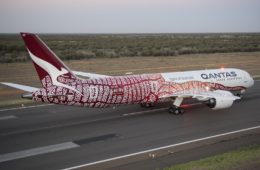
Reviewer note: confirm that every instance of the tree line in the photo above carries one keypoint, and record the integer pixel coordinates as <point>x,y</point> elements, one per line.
<point>86,46</point>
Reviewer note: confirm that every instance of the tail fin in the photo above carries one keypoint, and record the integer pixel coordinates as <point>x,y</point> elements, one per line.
<point>48,66</point>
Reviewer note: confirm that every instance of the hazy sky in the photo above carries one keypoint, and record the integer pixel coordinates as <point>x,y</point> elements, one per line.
<point>129,16</point>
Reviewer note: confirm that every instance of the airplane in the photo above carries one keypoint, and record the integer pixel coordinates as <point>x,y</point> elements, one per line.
<point>217,88</point>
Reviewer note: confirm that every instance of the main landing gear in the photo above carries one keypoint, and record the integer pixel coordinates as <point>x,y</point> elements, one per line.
<point>147,105</point>
<point>175,108</point>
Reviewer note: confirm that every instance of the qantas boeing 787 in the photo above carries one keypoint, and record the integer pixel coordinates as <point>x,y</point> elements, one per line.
<point>217,88</point>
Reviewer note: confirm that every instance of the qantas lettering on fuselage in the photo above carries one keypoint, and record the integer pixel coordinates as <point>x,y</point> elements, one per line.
<point>218,75</point>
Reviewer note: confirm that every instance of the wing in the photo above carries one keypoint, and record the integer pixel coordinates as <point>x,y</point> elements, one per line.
<point>89,75</point>
<point>203,95</point>
<point>21,87</point>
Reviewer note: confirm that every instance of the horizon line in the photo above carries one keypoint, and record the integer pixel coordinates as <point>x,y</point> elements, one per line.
<point>135,33</point>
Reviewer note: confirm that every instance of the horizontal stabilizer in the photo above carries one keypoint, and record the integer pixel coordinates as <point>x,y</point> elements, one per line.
<point>21,87</point>
<point>89,75</point>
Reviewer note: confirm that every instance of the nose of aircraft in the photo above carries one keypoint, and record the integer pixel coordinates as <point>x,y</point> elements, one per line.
<point>251,82</point>
<point>249,79</point>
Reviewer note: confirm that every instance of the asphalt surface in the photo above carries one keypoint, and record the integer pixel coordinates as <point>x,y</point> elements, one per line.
<point>57,137</point>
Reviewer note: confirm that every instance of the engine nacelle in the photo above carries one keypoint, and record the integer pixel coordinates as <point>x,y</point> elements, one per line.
<point>219,103</point>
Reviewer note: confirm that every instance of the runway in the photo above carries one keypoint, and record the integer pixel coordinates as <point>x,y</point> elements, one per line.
<point>58,137</point>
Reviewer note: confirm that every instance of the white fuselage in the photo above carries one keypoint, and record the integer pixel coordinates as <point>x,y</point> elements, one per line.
<point>229,77</point>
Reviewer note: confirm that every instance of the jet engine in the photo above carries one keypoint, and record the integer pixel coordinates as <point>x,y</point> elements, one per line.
<point>219,103</point>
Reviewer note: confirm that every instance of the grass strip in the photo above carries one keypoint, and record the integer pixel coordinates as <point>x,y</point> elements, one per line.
<point>236,159</point>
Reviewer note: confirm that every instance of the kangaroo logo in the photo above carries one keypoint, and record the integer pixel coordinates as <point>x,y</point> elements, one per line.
<point>52,71</point>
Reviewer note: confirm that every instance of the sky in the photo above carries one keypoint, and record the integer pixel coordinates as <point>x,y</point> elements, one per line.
<point>129,16</point>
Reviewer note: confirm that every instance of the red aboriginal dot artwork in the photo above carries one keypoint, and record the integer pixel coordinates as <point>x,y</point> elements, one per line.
<point>108,91</point>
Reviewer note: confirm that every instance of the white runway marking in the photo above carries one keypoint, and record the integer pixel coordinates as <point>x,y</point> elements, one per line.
<point>27,107</point>
<point>163,147</point>
<point>7,117</point>
<point>37,151</point>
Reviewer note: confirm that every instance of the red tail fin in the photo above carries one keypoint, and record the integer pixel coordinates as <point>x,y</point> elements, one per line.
<point>48,66</point>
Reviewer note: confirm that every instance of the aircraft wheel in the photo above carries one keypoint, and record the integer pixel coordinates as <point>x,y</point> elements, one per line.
<point>147,105</point>
<point>176,110</point>
<point>181,110</point>
<point>239,95</point>
<point>142,104</point>
<point>172,110</point>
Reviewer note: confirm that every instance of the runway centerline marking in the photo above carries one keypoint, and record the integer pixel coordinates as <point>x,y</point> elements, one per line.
<point>7,117</point>
<point>37,151</point>
<point>26,107</point>
<point>163,147</point>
